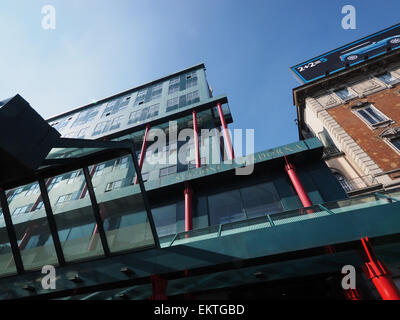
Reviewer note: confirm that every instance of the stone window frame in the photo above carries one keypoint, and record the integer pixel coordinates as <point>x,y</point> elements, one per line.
<point>390,134</point>
<point>354,109</point>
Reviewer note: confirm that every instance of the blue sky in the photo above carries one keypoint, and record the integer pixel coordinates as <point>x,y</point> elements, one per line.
<point>101,47</point>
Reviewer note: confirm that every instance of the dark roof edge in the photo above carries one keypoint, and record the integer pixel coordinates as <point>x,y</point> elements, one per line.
<point>197,66</point>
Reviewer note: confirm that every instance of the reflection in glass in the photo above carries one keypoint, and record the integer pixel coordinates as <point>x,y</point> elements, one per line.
<point>74,217</point>
<point>31,227</point>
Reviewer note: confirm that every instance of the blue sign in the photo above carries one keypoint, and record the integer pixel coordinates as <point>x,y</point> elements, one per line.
<point>348,55</point>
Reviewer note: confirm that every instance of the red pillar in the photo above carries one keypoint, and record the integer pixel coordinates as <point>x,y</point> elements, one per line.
<point>228,141</point>
<point>196,139</point>
<point>84,190</point>
<point>159,286</point>
<point>291,171</point>
<point>188,207</point>
<point>378,273</point>
<point>143,151</point>
<point>352,294</point>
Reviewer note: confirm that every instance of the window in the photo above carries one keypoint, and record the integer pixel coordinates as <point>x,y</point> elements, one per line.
<point>139,116</point>
<point>172,104</point>
<point>65,198</point>
<point>21,210</point>
<point>261,199</point>
<point>225,207</point>
<point>343,182</point>
<point>145,176</point>
<point>174,85</point>
<point>168,170</point>
<point>34,188</point>
<point>99,169</point>
<point>86,116</point>
<point>191,79</point>
<point>116,123</point>
<point>192,97</point>
<point>395,142</point>
<point>141,96</point>
<point>156,91</point>
<point>388,78</point>
<point>70,135</point>
<point>345,94</point>
<point>82,132</point>
<point>73,176</point>
<point>153,111</point>
<point>369,114</point>
<point>122,163</point>
<point>54,183</point>
<point>15,193</point>
<point>101,128</point>
<point>113,185</point>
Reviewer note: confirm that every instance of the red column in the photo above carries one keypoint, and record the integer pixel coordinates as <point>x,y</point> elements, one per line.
<point>378,273</point>
<point>188,208</point>
<point>143,151</point>
<point>196,139</point>
<point>291,171</point>
<point>228,141</point>
<point>84,190</point>
<point>159,286</point>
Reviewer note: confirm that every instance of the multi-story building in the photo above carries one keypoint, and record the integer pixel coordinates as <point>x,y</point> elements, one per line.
<point>354,109</point>
<point>198,220</point>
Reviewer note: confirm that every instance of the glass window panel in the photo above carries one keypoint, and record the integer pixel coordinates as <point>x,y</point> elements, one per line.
<point>225,207</point>
<point>169,219</point>
<point>29,218</point>
<point>122,207</point>
<point>261,199</point>
<point>75,219</point>
<point>7,264</point>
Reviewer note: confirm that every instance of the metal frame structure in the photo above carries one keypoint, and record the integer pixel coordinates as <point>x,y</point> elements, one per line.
<point>53,167</point>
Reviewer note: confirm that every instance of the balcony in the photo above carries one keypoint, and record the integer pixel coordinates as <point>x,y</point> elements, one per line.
<point>359,185</point>
<point>330,152</point>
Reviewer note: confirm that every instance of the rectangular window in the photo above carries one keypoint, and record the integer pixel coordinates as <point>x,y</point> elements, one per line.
<point>172,104</point>
<point>388,78</point>
<point>174,85</point>
<point>116,122</point>
<point>73,176</point>
<point>345,94</point>
<point>22,210</point>
<point>101,128</point>
<point>191,79</point>
<point>371,115</point>
<point>54,183</point>
<point>99,169</point>
<point>168,170</point>
<point>34,188</point>
<point>141,96</point>
<point>156,91</point>
<point>86,116</point>
<point>82,133</point>
<point>192,97</point>
<point>122,163</point>
<point>65,198</point>
<point>113,185</point>
<point>395,142</point>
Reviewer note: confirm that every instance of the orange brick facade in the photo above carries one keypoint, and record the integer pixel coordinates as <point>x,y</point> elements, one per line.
<point>388,102</point>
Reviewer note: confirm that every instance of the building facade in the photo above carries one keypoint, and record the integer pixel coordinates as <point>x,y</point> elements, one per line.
<point>218,233</point>
<point>355,113</point>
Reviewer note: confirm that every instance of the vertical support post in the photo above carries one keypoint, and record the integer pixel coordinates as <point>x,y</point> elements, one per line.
<point>228,141</point>
<point>188,207</point>
<point>143,151</point>
<point>159,287</point>
<point>145,199</point>
<point>301,192</point>
<point>378,273</point>
<point>99,221</point>
<point>51,221</point>
<point>11,232</point>
<point>84,190</point>
<point>196,139</point>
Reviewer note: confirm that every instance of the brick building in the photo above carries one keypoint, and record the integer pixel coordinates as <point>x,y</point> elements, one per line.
<point>356,114</point>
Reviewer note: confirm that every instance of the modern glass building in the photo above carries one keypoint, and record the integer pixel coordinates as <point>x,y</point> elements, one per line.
<point>145,198</point>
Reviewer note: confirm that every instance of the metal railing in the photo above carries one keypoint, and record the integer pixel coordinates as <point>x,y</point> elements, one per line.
<point>272,220</point>
<point>350,185</point>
